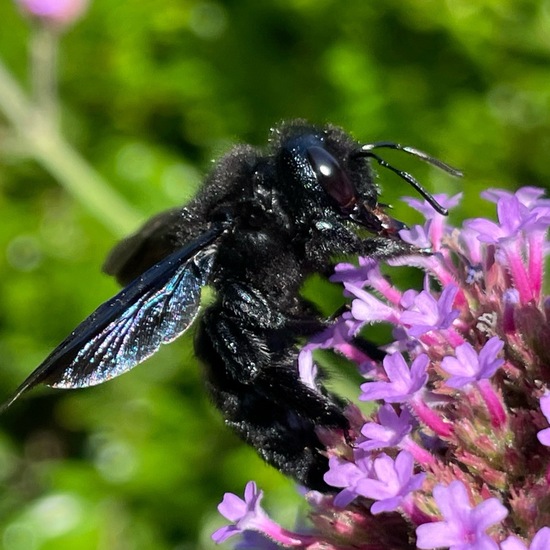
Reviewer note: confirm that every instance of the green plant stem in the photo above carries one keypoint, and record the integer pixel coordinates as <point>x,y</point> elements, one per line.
<point>48,147</point>
<point>43,71</point>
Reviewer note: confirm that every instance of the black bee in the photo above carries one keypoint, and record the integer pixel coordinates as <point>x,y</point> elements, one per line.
<point>261,224</point>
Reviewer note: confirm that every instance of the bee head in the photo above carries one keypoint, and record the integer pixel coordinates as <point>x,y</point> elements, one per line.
<point>325,172</point>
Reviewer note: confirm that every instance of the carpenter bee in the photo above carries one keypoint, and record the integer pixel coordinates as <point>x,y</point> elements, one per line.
<point>262,222</point>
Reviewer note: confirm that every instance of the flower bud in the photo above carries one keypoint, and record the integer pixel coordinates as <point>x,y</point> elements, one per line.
<point>59,13</point>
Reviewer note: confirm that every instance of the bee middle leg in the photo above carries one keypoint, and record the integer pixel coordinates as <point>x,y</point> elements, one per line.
<point>252,376</point>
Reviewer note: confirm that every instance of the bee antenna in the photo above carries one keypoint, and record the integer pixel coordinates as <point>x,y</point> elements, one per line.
<point>366,151</point>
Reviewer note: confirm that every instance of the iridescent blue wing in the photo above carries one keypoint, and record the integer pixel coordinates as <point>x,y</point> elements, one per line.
<point>154,309</point>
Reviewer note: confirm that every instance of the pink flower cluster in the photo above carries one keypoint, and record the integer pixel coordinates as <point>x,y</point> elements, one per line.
<point>457,454</point>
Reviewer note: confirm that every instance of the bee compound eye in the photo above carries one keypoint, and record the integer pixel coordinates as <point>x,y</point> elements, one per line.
<point>332,177</point>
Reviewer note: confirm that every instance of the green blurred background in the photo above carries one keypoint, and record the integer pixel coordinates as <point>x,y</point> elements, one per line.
<point>151,92</point>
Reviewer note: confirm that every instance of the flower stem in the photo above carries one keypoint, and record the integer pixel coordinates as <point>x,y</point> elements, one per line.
<point>43,72</point>
<point>48,147</point>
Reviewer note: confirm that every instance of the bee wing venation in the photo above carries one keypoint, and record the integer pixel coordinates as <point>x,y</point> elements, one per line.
<point>157,317</point>
<point>155,308</point>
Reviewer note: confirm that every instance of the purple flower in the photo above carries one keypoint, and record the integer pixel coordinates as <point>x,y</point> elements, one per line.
<point>338,334</point>
<point>248,515</point>
<point>544,435</point>
<point>390,430</point>
<point>471,247</point>
<point>367,274</point>
<point>520,234</point>
<point>463,526</point>
<point>358,276</point>
<point>307,369</point>
<point>431,234</point>
<point>392,481</point>
<point>349,475</point>
<point>418,236</point>
<point>513,217</point>
<point>468,367</point>
<point>336,337</point>
<point>541,541</point>
<point>58,12</point>
<point>426,313</point>
<point>427,209</point>
<point>245,514</point>
<point>403,382</point>
<point>408,298</point>
<point>368,309</point>
<point>523,221</point>
<point>528,196</point>
<point>383,479</point>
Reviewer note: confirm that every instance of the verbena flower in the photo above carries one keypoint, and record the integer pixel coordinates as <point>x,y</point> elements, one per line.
<point>390,430</point>
<point>403,383</point>
<point>463,526</point>
<point>247,515</point>
<point>541,541</point>
<point>544,435</point>
<point>457,454</point>
<point>468,367</point>
<point>56,12</point>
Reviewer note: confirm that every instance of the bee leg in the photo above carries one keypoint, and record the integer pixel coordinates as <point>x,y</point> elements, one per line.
<point>252,377</point>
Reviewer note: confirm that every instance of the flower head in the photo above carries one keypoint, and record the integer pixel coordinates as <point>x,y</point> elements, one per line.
<point>57,12</point>
<point>456,451</point>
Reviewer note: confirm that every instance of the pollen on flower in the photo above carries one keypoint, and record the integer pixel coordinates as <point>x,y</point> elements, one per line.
<point>457,453</point>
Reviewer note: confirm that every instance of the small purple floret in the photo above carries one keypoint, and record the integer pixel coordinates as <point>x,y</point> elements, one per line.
<point>403,383</point>
<point>389,431</point>
<point>463,526</point>
<point>541,541</point>
<point>544,435</point>
<point>426,313</point>
<point>469,367</point>
<point>245,514</point>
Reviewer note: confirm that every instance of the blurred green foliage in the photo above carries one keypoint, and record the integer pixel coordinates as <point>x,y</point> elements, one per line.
<point>150,93</point>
